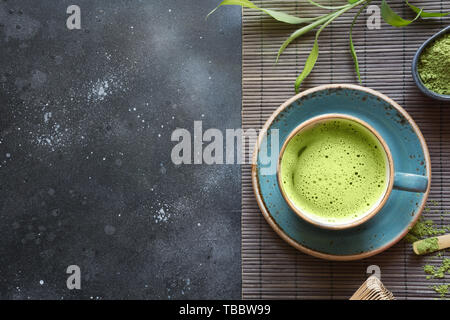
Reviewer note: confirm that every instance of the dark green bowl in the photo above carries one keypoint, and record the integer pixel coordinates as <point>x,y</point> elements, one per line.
<point>415,72</point>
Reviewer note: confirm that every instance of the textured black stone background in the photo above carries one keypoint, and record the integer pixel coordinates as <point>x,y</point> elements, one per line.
<point>85,170</point>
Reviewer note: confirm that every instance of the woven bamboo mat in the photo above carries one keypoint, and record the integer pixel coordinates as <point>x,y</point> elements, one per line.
<point>271,269</point>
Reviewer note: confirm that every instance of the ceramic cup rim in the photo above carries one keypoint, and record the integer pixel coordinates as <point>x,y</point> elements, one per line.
<point>368,215</point>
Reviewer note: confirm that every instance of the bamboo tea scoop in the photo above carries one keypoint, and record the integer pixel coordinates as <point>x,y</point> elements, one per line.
<point>431,244</point>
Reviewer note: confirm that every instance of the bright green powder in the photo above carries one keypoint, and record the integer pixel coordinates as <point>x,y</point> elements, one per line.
<point>427,245</point>
<point>434,65</point>
<point>334,170</point>
<point>442,289</point>
<point>424,228</point>
<point>437,272</point>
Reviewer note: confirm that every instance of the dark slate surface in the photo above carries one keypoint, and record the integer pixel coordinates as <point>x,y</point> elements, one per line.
<point>85,169</point>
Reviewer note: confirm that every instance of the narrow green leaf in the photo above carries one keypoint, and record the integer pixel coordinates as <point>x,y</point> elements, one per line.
<point>352,47</point>
<point>314,54</point>
<point>309,65</point>
<point>355,59</point>
<point>300,32</point>
<point>394,19</point>
<point>287,18</point>
<point>242,3</point>
<point>352,1</point>
<point>280,16</point>
<point>424,14</point>
<point>327,7</point>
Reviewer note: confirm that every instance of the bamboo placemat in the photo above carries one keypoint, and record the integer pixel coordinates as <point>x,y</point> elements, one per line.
<point>271,269</point>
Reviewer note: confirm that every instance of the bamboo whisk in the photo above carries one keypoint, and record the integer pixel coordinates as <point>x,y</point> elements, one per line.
<point>372,289</point>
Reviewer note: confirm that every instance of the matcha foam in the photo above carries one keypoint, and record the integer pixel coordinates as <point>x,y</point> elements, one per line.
<point>335,170</point>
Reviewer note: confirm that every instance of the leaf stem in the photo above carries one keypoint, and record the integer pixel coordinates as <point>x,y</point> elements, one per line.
<point>312,58</point>
<point>352,47</point>
<point>302,31</point>
<point>326,7</point>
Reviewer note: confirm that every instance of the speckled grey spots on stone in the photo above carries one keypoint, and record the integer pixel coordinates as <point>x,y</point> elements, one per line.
<point>17,25</point>
<point>86,116</point>
<point>38,79</point>
<point>110,230</point>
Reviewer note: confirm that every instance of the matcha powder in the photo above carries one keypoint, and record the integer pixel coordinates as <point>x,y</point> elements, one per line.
<point>428,245</point>
<point>434,65</point>
<point>426,230</point>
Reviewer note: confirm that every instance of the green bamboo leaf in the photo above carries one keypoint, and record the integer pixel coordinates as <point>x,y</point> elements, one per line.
<point>309,65</point>
<point>327,7</point>
<point>352,47</point>
<point>394,19</point>
<point>312,58</point>
<point>424,14</point>
<point>310,62</point>
<point>300,32</point>
<point>314,54</point>
<point>355,59</point>
<point>352,1</point>
<point>280,16</point>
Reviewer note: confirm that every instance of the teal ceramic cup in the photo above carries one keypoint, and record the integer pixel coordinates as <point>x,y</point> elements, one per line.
<point>394,179</point>
<point>410,156</point>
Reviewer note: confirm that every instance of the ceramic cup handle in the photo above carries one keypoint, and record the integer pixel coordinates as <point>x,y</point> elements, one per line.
<point>410,182</point>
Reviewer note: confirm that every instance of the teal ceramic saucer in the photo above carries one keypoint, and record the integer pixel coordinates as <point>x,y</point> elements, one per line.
<point>409,153</point>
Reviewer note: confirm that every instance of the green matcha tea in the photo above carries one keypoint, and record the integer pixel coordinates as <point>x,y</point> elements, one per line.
<point>335,170</point>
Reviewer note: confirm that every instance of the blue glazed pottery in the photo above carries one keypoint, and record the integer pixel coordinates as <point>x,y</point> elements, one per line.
<point>415,63</point>
<point>395,180</point>
<point>409,155</point>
